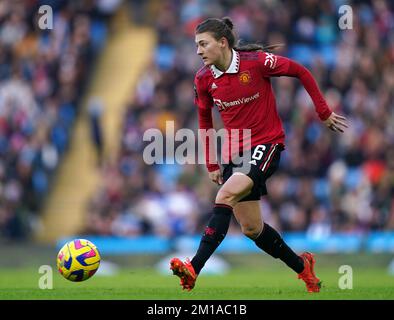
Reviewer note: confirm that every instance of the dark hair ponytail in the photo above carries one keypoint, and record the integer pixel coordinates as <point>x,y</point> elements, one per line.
<point>256,47</point>
<point>229,23</point>
<point>224,28</point>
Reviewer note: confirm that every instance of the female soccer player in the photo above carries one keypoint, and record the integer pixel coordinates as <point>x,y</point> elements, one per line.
<point>236,80</point>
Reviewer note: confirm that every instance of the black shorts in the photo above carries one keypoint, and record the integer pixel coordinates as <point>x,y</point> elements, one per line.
<point>262,161</point>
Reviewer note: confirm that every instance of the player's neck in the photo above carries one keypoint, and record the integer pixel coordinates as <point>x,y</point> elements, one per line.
<point>225,62</point>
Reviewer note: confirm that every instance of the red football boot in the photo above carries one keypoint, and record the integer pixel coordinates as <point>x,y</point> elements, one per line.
<point>185,271</point>
<point>313,284</point>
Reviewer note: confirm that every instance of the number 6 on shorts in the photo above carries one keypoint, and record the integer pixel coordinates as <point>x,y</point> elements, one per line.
<point>258,152</point>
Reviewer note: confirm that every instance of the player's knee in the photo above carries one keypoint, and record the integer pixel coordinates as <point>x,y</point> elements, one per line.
<point>226,197</point>
<point>251,231</point>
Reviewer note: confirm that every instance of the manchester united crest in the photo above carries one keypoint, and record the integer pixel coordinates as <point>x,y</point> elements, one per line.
<point>245,77</point>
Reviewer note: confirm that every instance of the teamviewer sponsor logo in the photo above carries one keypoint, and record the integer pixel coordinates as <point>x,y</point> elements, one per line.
<point>223,105</point>
<point>219,104</point>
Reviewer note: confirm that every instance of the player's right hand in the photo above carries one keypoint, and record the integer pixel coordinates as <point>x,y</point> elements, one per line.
<point>216,176</point>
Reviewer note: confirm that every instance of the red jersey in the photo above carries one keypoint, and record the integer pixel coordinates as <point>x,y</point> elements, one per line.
<point>245,99</point>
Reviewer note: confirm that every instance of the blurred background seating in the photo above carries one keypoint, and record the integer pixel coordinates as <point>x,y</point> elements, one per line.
<point>327,183</point>
<point>42,79</point>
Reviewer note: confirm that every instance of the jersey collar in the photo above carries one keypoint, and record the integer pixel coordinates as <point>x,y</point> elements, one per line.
<point>233,68</point>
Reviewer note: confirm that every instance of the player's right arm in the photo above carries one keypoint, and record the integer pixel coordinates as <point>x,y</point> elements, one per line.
<point>203,100</point>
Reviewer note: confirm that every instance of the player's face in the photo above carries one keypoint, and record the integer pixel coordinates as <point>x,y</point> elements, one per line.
<point>208,48</point>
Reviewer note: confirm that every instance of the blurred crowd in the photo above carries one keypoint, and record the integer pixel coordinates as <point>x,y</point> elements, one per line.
<point>43,73</point>
<point>327,182</point>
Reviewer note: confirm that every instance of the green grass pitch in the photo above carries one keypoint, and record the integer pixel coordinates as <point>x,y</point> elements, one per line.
<point>250,283</point>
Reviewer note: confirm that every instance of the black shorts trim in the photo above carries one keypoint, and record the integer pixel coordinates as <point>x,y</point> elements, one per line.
<point>264,161</point>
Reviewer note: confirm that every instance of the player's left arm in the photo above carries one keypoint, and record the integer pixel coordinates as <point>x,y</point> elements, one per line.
<point>273,65</point>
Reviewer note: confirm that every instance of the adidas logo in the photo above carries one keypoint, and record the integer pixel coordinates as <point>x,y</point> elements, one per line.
<point>253,162</point>
<point>214,86</point>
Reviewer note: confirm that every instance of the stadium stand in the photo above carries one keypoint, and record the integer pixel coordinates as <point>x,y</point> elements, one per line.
<point>43,74</point>
<point>327,183</point>
<point>121,61</point>
<point>345,185</point>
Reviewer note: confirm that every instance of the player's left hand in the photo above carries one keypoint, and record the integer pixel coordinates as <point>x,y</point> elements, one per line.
<point>336,122</point>
<point>216,176</point>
